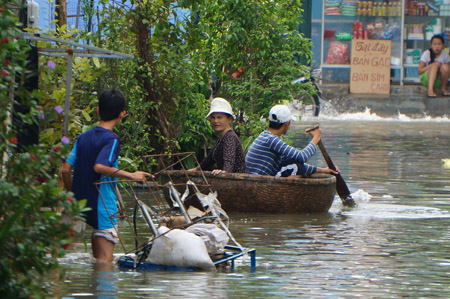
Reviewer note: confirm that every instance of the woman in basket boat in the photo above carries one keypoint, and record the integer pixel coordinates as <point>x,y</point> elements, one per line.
<point>227,154</point>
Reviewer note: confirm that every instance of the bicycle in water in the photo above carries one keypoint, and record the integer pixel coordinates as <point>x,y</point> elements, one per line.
<point>312,106</point>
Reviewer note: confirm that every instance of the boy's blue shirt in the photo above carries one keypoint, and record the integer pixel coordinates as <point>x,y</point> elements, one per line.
<point>96,146</point>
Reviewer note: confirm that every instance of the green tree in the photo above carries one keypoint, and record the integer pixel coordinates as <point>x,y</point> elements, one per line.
<point>255,47</point>
<point>252,47</point>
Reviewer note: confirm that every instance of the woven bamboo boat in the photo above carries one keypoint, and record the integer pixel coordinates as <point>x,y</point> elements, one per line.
<point>248,193</point>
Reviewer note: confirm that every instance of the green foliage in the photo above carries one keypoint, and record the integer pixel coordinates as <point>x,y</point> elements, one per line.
<point>35,213</point>
<point>161,84</point>
<point>196,134</point>
<point>253,47</point>
<point>52,84</point>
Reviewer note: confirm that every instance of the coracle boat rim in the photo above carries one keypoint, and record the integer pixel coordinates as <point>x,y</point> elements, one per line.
<point>315,179</point>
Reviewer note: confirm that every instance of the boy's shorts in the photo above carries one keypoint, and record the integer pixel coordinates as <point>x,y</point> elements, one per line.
<point>109,234</point>
<point>424,80</point>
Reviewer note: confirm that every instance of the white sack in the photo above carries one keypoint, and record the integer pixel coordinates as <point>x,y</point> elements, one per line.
<point>180,248</point>
<point>215,239</point>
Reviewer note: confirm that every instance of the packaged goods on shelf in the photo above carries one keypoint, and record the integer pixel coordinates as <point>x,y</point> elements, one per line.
<point>376,30</point>
<point>393,33</point>
<point>333,7</point>
<point>433,10</point>
<point>329,34</point>
<point>413,56</point>
<point>348,8</point>
<point>379,9</point>
<point>415,32</point>
<point>395,61</point>
<point>343,36</point>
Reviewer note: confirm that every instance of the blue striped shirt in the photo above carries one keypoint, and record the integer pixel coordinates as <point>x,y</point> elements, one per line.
<point>268,154</point>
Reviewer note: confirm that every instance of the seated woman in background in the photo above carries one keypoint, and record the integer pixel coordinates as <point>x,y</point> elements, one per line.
<point>434,67</point>
<point>227,154</point>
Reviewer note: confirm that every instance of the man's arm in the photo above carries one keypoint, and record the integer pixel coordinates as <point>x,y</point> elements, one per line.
<point>291,154</point>
<point>316,134</point>
<point>327,170</point>
<point>67,176</point>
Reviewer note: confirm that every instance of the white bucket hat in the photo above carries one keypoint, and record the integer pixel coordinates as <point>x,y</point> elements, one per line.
<point>220,105</point>
<point>280,114</point>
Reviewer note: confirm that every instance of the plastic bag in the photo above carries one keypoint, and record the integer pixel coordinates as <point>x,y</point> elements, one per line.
<point>180,248</point>
<point>215,239</point>
<point>338,53</point>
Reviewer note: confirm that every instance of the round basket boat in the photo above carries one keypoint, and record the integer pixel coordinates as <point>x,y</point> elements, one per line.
<point>248,193</point>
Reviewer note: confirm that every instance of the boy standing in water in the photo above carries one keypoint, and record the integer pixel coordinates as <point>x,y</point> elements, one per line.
<point>94,157</point>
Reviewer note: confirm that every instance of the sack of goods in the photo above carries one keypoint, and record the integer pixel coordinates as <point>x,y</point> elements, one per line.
<point>215,239</point>
<point>180,248</point>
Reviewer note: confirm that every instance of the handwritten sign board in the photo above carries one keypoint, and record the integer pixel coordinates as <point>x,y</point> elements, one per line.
<point>370,66</point>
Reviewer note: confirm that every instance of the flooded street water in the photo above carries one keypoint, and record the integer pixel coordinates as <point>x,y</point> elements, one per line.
<point>395,244</point>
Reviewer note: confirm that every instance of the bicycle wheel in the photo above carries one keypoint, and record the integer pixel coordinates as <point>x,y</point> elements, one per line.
<point>307,105</point>
<point>316,104</point>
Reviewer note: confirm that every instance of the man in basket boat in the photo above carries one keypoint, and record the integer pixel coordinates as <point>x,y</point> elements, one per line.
<point>227,154</point>
<point>95,157</point>
<point>269,155</point>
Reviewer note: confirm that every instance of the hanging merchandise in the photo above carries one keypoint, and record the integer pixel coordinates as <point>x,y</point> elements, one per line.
<point>393,33</point>
<point>338,53</point>
<point>433,10</point>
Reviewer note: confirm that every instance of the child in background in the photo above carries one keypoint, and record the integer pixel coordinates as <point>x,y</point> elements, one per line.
<point>434,67</point>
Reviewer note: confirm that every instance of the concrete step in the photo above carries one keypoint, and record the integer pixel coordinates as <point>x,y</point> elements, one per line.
<point>410,100</point>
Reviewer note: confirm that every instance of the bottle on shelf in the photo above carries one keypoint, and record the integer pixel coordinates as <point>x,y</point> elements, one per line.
<point>370,8</point>
<point>375,9</point>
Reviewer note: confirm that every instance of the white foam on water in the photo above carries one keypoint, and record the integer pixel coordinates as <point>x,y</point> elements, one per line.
<point>79,257</point>
<point>366,209</point>
<point>367,115</point>
<point>360,197</point>
<point>391,211</point>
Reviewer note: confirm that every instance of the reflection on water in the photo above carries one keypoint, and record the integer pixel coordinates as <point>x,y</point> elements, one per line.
<point>395,244</point>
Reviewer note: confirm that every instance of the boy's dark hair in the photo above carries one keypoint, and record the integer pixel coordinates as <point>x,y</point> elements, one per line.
<point>274,125</point>
<point>110,103</point>
<point>432,55</point>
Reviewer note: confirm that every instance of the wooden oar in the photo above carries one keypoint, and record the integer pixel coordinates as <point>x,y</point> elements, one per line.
<point>341,186</point>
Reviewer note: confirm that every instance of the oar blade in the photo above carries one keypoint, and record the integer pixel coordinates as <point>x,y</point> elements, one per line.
<point>341,186</point>
<point>344,192</point>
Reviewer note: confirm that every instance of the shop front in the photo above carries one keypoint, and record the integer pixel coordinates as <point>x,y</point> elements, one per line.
<point>408,25</point>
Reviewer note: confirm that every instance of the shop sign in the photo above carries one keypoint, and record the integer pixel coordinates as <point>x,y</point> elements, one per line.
<point>370,66</point>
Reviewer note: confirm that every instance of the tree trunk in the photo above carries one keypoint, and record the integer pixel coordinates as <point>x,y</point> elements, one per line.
<point>61,12</point>
<point>161,121</point>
